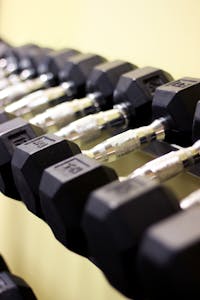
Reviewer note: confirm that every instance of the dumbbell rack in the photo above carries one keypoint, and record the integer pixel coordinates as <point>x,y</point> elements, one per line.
<point>28,244</point>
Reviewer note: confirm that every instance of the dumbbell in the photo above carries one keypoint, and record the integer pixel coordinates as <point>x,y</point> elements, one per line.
<point>173,122</point>
<point>168,256</point>
<point>102,87</point>
<point>132,102</point>
<point>27,66</point>
<point>65,187</point>
<point>10,53</point>
<point>6,48</point>
<point>10,57</point>
<point>13,287</point>
<point>114,220</point>
<point>73,75</point>
<point>99,89</point>
<point>48,70</point>
<point>42,152</point>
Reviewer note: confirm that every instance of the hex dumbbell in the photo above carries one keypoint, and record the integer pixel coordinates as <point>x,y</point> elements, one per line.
<point>132,102</point>
<point>10,58</point>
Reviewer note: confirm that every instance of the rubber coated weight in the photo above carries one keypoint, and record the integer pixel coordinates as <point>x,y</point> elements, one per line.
<point>64,189</point>
<point>29,161</point>
<point>12,133</point>
<point>114,219</point>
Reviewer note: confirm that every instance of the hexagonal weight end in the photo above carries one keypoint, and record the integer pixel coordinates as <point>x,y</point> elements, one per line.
<point>177,101</point>
<point>114,220</point>
<point>30,160</point>
<point>104,78</point>
<point>12,133</point>
<point>169,257</point>
<point>137,88</point>
<point>77,70</point>
<point>51,62</point>
<point>64,190</point>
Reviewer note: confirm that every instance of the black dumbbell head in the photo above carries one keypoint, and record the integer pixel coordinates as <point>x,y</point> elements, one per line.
<point>137,88</point>
<point>31,59</point>
<point>14,288</point>
<point>19,54</point>
<point>53,61</point>
<point>64,189</point>
<point>168,259</point>
<point>12,133</point>
<point>196,123</point>
<point>176,101</point>
<point>104,78</point>
<point>77,70</point>
<point>14,55</point>
<point>29,161</point>
<point>114,220</point>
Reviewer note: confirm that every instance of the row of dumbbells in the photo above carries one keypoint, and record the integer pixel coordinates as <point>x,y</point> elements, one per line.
<point>89,209</point>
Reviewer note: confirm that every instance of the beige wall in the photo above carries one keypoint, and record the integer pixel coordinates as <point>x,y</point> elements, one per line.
<point>157,32</point>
